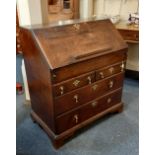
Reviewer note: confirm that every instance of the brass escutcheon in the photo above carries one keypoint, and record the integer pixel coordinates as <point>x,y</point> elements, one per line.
<point>76,82</point>
<point>94,104</point>
<point>76,26</point>
<point>95,87</point>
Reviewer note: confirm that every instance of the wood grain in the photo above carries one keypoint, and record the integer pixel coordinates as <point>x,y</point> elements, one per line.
<point>59,60</point>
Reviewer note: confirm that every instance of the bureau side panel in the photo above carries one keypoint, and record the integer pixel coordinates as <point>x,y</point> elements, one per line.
<point>39,79</point>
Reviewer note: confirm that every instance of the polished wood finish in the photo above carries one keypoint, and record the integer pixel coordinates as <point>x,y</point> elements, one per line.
<point>97,62</point>
<point>76,9</point>
<point>74,83</point>
<point>91,41</point>
<point>39,79</point>
<point>52,2</point>
<point>58,140</point>
<point>130,33</point>
<point>58,10</point>
<point>68,101</point>
<point>130,36</point>
<point>63,65</point>
<point>82,113</point>
<point>108,71</point>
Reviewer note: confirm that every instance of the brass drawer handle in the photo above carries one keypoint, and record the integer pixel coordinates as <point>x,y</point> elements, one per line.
<point>94,104</point>
<point>111,84</point>
<point>122,67</point>
<point>109,100</point>
<point>94,87</point>
<point>101,74</point>
<point>61,90</point>
<point>76,118</point>
<point>111,70</point>
<point>76,98</point>
<point>89,79</point>
<point>76,83</point>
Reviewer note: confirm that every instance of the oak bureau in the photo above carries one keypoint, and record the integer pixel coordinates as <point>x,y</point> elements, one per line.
<point>75,72</point>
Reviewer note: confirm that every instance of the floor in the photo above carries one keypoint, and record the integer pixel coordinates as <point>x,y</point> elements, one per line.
<point>116,134</point>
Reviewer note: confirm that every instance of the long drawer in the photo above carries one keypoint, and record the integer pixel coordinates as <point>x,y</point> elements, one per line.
<point>74,70</point>
<point>83,95</point>
<point>75,117</point>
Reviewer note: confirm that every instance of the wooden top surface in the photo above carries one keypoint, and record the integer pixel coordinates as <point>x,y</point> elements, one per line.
<point>67,44</point>
<point>124,26</point>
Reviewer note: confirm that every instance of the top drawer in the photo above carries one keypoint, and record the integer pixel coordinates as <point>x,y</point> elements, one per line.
<point>70,71</point>
<point>110,70</point>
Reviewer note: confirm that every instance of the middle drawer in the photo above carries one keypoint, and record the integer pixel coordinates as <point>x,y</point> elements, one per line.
<point>83,95</point>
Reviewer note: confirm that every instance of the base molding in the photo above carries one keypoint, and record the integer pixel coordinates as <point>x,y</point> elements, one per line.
<point>58,140</point>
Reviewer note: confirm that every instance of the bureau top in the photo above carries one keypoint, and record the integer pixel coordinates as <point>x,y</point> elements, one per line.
<point>62,45</point>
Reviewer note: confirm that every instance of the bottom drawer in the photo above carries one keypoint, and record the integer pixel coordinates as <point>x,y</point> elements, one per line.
<point>78,115</point>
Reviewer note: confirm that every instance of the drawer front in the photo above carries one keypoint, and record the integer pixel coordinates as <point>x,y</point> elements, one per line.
<point>74,70</point>
<point>87,93</point>
<point>73,118</point>
<point>130,35</point>
<point>109,71</point>
<point>74,83</point>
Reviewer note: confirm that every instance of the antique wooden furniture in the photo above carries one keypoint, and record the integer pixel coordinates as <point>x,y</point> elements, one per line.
<point>63,10</point>
<point>130,33</point>
<point>51,2</point>
<point>75,74</point>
